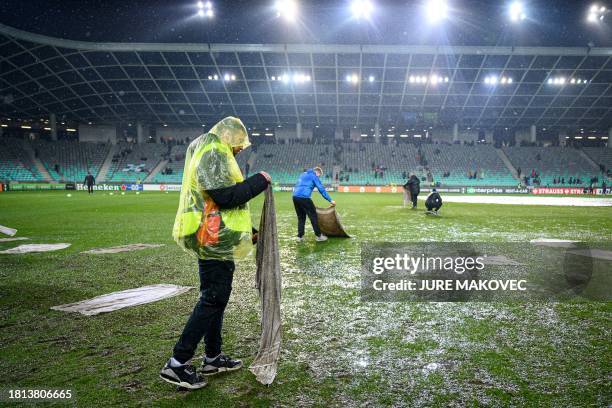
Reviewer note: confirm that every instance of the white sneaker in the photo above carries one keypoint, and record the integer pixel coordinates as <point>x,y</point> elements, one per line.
<point>300,239</point>
<point>321,238</point>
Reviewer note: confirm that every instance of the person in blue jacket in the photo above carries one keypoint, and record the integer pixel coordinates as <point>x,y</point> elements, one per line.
<point>303,203</point>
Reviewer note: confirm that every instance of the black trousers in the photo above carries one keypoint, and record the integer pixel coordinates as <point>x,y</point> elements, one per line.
<point>90,188</point>
<point>305,207</point>
<point>206,320</point>
<point>414,199</point>
<point>433,206</point>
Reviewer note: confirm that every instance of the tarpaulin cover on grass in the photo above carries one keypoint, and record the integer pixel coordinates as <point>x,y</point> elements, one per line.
<point>7,231</point>
<point>13,239</point>
<point>125,298</point>
<point>268,282</point>
<point>329,223</point>
<point>122,248</point>
<point>27,248</point>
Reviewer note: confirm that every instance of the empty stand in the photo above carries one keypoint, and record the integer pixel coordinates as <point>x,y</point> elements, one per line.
<point>552,162</point>
<point>15,163</point>
<point>70,161</point>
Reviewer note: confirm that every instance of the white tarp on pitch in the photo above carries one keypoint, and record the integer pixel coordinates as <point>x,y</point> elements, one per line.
<point>7,231</point>
<point>122,248</point>
<point>554,242</point>
<point>528,200</point>
<point>125,298</point>
<point>27,248</point>
<point>13,239</point>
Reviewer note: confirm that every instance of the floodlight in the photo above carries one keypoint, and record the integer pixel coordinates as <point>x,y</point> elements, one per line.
<point>371,78</point>
<point>411,79</point>
<point>205,9</point>
<point>226,77</point>
<point>596,12</point>
<point>287,9</point>
<point>509,80</point>
<point>436,10</point>
<point>517,11</point>
<point>361,8</point>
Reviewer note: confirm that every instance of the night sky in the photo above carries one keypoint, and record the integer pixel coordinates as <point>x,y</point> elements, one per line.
<point>471,22</point>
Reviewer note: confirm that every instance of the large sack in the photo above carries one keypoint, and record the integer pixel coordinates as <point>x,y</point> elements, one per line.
<point>268,282</point>
<point>329,223</point>
<point>407,198</point>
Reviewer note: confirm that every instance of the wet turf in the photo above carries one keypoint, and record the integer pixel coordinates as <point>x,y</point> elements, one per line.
<point>337,350</point>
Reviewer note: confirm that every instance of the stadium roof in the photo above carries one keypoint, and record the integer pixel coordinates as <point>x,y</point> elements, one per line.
<point>347,85</point>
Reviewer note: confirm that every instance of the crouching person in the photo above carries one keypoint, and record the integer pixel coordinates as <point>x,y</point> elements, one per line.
<point>212,223</point>
<point>433,202</point>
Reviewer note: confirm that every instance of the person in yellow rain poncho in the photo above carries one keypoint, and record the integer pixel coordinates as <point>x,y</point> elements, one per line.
<point>212,223</point>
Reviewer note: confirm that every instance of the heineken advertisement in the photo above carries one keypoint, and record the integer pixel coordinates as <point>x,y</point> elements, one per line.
<point>36,186</point>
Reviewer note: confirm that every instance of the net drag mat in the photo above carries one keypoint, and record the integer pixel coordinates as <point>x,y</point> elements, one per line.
<point>268,283</point>
<point>329,223</point>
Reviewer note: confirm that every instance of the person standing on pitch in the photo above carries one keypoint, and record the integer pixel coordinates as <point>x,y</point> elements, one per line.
<point>213,223</point>
<point>89,182</point>
<point>303,203</point>
<point>414,187</point>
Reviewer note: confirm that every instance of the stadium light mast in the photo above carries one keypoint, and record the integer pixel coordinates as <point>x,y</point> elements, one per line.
<point>362,9</point>
<point>436,10</point>
<point>286,9</point>
<point>597,13</point>
<point>516,11</point>
<point>205,9</point>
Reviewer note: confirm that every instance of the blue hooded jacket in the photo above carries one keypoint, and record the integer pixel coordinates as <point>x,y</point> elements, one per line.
<point>306,183</point>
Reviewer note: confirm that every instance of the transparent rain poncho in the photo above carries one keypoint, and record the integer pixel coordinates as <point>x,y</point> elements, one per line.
<point>200,227</point>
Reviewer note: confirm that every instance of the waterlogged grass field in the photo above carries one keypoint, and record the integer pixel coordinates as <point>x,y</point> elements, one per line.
<point>337,350</point>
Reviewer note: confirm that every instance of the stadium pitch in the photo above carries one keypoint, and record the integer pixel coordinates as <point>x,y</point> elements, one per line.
<point>337,350</point>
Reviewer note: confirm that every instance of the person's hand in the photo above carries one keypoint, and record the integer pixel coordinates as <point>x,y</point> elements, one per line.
<point>254,237</point>
<point>333,203</point>
<point>266,175</point>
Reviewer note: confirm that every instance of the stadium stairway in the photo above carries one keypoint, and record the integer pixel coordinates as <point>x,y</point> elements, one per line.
<point>508,164</point>
<point>108,161</point>
<point>160,166</point>
<point>38,164</point>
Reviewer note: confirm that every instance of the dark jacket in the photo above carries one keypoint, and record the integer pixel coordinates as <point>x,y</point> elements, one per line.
<point>413,185</point>
<point>433,200</point>
<point>89,180</point>
<point>240,193</point>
